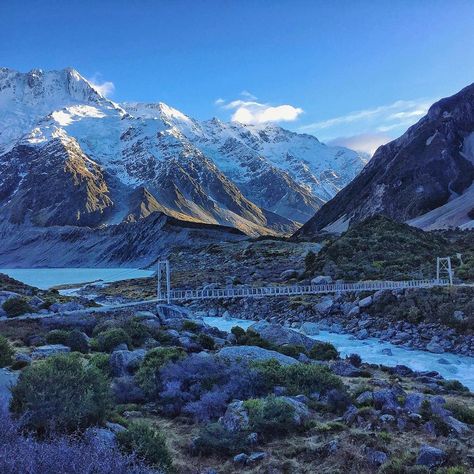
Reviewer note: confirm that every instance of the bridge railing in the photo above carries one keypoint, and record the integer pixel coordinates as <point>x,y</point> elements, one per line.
<point>216,293</point>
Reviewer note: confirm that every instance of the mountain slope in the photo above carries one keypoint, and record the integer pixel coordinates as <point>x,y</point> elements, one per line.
<point>428,168</point>
<point>58,133</point>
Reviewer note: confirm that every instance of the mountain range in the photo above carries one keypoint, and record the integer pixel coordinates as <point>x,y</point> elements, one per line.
<point>71,157</point>
<point>424,178</point>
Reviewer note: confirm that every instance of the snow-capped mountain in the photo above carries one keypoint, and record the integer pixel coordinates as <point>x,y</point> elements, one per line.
<point>69,156</point>
<point>425,177</point>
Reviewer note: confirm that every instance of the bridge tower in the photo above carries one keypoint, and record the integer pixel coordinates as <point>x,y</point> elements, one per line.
<point>163,275</point>
<point>443,266</point>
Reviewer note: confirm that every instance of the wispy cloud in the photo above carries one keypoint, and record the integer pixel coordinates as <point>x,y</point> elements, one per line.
<point>105,88</point>
<point>251,111</point>
<point>370,126</point>
<point>365,142</point>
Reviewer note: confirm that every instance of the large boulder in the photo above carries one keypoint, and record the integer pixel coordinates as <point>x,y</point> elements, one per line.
<point>365,302</point>
<point>170,311</point>
<point>321,280</point>
<point>279,335</point>
<point>310,329</point>
<point>66,307</point>
<point>254,353</point>
<point>102,437</point>
<point>125,362</point>
<point>301,411</point>
<point>325,305</point>
<point>42,352</point>
<point>236,417</point>
<point>430,456</point>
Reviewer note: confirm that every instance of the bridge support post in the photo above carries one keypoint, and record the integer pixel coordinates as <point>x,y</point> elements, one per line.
<point>443,265</point>
<point>164,267</point>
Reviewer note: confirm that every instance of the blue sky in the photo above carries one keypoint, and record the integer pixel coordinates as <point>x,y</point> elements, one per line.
<point>351,72</point>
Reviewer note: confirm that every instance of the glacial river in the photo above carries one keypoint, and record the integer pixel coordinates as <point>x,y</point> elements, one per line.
<point>450,366</point>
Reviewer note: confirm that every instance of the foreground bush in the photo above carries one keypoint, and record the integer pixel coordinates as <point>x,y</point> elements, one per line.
<point>111,338</point>
<point>60,394</point>
<point>137,331</point>
<point>16,307</point>
<point>297,378</point>
<point>57,336</point>
<point>148,443</point>
<point>148,375</point>
<point>203,385</point>
<point>271,416</point>
<point>323,351</point>
<point>250,338</point>
<point>21,454</point>
<point>6,352</point>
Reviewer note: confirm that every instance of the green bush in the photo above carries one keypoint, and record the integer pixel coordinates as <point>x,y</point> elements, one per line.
<point>461,411</point>
<point>297,378</point>
<point>6,352</point>
<point>77,341</point>
<point>148,373</point>
<point>61,394</point>
<point>323,351</point>
<point>191,326</point>
<point>57,336</point>
<point>250,338</point>
<point>111,338</point>
<point>214,439</point>
<point>102,362</point>
<point>271,416</point>
<point>207,342</point>
<point>455,386</point>
<point>137,331</point>
<point>16,307</point>
<point>293,350</point>
<point>148,443</point>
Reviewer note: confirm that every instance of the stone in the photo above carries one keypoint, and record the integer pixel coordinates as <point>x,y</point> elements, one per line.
<point>385,400</point>
<point>124,362</point>
<point>365,302</point>
<point>387,351</point>
<point>279,335</point>
<point>321,280</point>
<point>241,458</point>
<point>254,353</point>
<point>430,456</point>
<point>310,329</point>
<point>102,437</point>
<point>252,438</point>
<point>459,316</point>
<point>169,311</point>
<point>226,316</point>
<point>256,456</point>
<point>365,398</point>
<point>387,418</point>
<point>456,425</point>
<point>435,347</point>
<point>36,301</point>
<point>115,427</point>
<point>362,334</point>
<point>126,390</point>
<point>413,402</point>
<point>22,357</point>
<point>345,369</point>
<point>42,352</point>
<point>325,305</point>
<point>354,312</point>
<point>152,324</point>
<point>444,361</point>
<point>301,411</point>
<point>287,274</point>
<point>66,307</point>
<point>144,315</point>
<point>236,417</point>
<point>374,457</point>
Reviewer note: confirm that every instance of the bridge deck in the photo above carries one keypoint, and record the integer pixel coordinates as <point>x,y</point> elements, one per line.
<point>293,290</point>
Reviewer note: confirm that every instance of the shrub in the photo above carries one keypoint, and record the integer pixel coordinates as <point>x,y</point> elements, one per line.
<point>355,360</point>
<point>16,307</point>
<point>215,439</point>
<point>111,338</point>
<point>137,331</point>
<point>60,393</point>
<point>250,338</point>
<point>148,443</point>
<point>191,326</point>
<point>77,341</point>
<point>101,362</point>
<point>323,351</point>
<point>206,342</point>
<point>57,336</point>
<point>309,261</point>
<point>271,416</point>
<point>461,411</point>
<point>201,386</point>
<point>293,350</point>
<point>6,352</point>
<point>454,386</point>
<point>22,453</point>
<point>297,378</point>
<point>148,376</point>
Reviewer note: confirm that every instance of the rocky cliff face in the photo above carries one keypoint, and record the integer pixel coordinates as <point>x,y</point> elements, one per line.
<point>424,177</point>
<point>69,156</point>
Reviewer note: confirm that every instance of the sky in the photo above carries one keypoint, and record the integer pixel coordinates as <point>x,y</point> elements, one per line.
<point>355,73</point>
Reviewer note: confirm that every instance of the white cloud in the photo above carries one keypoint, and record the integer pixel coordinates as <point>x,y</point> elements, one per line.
<point>248,95</point>
<point>365,142</point>
<point>251,111</point>
<point>371,123</point>
<point>105,88</point>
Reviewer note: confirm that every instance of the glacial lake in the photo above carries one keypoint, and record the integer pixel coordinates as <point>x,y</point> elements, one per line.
<point>45,278</point>
<point>450,366</point>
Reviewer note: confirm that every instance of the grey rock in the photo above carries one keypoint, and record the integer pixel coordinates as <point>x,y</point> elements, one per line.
<point>287,274</point>
<point>344,369</point>
<point>169,311</point>
<point>102,437</point>
<point>387,351</point>
<point>257,456</point>
<point>66,307</point>
<point>365,398</point>
<point>279,335</point>
<point>115,427</point>
<point>365,302</point>
<point>459,316</point>
<point>430,456</point>
<point>355,311</point>
<point>310,329</point>
<point>435,347</point>
<point>362,334</point>
<point>124,362</point>
<point>236,417</point>
<point>385,400</point>
<point>36,301</point>
<point>374,457</point>
<point>325,305</point>
<point>241,458</point>
<point>301,411</point>
<point>321,280</point>
<point>22,357</point>
<point>455,425</point>
<point>413,402</point>
<point>42,352</point>
<point>254,353</point>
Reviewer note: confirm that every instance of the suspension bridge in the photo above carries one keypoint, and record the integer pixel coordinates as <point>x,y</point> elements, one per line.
<point>167,295</point>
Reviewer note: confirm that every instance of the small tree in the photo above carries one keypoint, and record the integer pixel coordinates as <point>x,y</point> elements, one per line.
<point>309,261</point>
<point>6,352</point>
<point>62,394</point>
<point>16,307</point>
